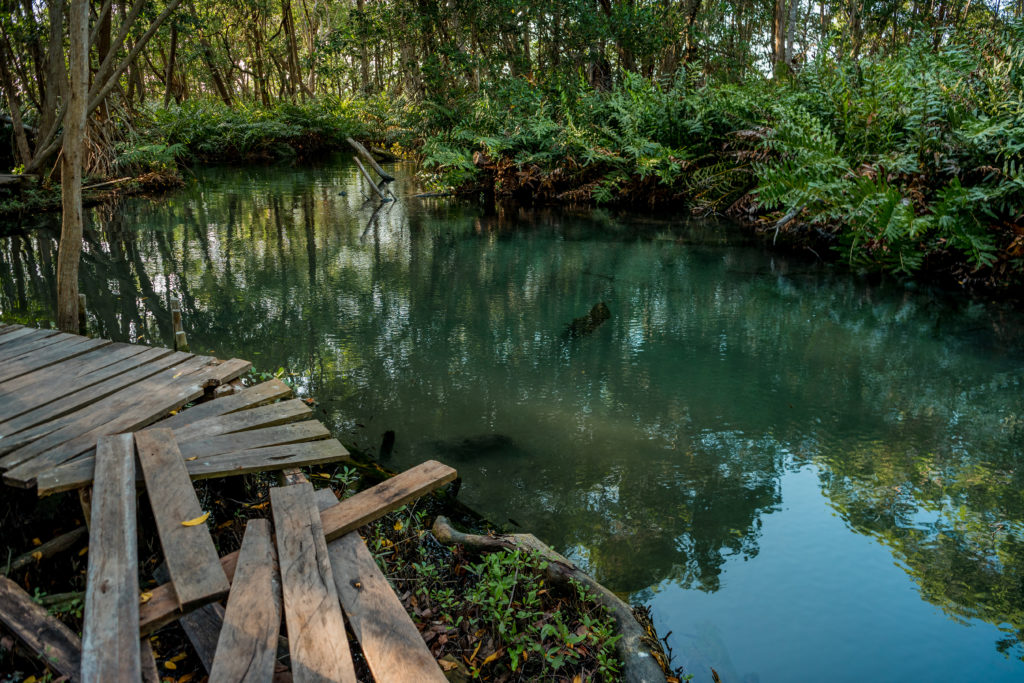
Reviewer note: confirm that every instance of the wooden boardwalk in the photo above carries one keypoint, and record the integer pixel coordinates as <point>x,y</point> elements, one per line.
<point>111,419</point>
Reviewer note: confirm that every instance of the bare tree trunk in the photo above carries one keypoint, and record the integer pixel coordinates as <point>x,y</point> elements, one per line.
<point>169,71</point>
<point>71,169</point>
<point>780,20</point>
<point>364,58</point>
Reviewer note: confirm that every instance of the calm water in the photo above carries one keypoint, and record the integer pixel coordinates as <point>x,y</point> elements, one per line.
<point>808,477</point>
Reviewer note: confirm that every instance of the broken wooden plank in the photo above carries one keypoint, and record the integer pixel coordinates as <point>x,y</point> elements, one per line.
<point>55,644</point>
<point>188,548</point>
<point>249,450</point>
<point>162,608</point>
<point>163,396</point>
<point>63,363</point>
<point>365,506</point>
<point>247,647</point>
<point>391,643</point>
<point>36,407</point>
<point>282,412</point>
<point>317,641</point>
<point>110,637</point>
<point>250,397</point>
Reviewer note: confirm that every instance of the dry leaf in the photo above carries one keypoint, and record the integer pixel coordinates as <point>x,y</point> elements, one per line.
<point>145,597</point>
<point>36,541</point>
<point>196,521</point>
<point>178,657</point>
<point>83,551</point>
<point>170,665</point>
<point>491,657</point>
<point>447,664</point>
<point>186,678</point>
<point>37,556</point>
<point>178,375</point>
<point>191,459</point>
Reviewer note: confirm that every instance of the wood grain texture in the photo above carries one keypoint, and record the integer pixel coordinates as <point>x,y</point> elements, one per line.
<point>49,356</point>
<point>391,643</point>
<point>28,345</point>
<point>254,418</point>
<point>110,640</point>
<point>250,397</point>
<point>53,642</point>
<point>22,333</point>
<point>96,354</point>
<point>284,446</point>
<point>188,550</point>
<point>247,647</point>
<point>371,504</point>
<point>162,397</point>
<point>162,607</point>
<point>317,641</point>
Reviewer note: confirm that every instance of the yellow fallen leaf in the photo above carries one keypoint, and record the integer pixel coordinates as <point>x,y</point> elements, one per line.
<point>145,597</point>
<point>171,665</point>
<point>447,664</point>
<point>178,375</point>
<point>178,657</point>
<point>225,525</point>
<point>473,656</point>
<point>494,655</point>
<point>398,525</point>
<point>174,412</point>
<point>186,678</point>
<point>197,521</point>
<point>83,551</point>
<point>37,556</point>
<point>325,476</point>
<point>30,679</point>
<point>192,458</point>
<point>36,541</point>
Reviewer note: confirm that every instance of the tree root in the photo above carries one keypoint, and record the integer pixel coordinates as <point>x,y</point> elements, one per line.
<point>640,662</point>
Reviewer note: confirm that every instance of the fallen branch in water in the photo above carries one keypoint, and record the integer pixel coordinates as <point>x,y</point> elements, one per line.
<point>786,220</point>
<point>105,183</point>
<point>639,664</point>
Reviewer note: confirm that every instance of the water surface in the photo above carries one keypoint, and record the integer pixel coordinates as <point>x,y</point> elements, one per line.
<point>806,475</point>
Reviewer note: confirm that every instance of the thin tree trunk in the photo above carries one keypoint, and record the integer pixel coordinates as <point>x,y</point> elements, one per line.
<point>169,71</point>
<point>71,169</point>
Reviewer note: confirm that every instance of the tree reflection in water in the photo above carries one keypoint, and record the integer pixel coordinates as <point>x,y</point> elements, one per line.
<point>649,450</point>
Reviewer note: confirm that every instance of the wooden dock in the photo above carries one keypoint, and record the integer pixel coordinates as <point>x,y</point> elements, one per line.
<point>110,420</point>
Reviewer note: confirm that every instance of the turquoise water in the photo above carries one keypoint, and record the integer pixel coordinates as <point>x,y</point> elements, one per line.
<point>807,475</point>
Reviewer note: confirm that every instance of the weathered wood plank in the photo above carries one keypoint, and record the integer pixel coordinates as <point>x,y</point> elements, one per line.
<point>317,641</point>
<point>366,506</point>
<point>162,607</point>
<point>249,447</point>
<point>34,407</point>
<point>29,345</point>
<point>250,397</point>
<point>268,459</point>
<point>247,648</point>
<point>22,333</point>
<point>163,396</point>
<point>52,641</point>
<point>65,362</point>
<point>391,643</point>
<point>263,416</point>
<point>110,637</point>
<point>188,550</point>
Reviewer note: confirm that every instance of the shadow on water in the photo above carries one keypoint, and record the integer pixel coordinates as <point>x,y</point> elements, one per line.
<point>657,448</point>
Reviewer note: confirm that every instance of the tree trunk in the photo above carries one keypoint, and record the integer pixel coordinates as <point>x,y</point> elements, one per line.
<point>780,20</point>
<point>71,169</point>
<point>169,71</point>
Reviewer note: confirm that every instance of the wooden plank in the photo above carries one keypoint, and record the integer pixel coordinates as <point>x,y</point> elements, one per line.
<point>110,636</point>
<point>29,410</point>
<point>23,333</point>
<point>50,356</point>
<point>79,472</point>
<point>366,506</point>
<point>162,609</point>
<point>247,647</point>
<point>15,351</point>
<point>391,643</point>
<point>149,670</point>
<point>317,641</point>
<point>268,459</point>
<point>55,644</point>
<point>66,363</point>
<point>160,396</point>
<point>250,397</point>
<point>188,550</point>
<point>263,416</point>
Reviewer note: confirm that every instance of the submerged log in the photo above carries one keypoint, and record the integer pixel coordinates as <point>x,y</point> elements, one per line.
<point>363,152</point>
<point>370,180</point>
<point>586,324</point>
<point>639,664</point>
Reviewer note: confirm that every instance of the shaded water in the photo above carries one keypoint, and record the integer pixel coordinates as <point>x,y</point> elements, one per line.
<point>807,476</point>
